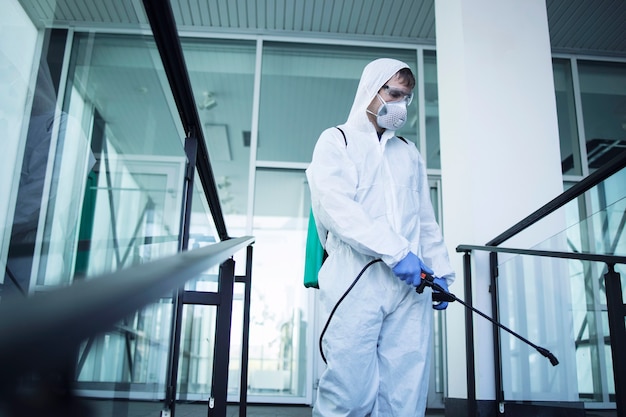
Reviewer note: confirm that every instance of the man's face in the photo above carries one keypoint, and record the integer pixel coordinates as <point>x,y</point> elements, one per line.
<point>393,90</point>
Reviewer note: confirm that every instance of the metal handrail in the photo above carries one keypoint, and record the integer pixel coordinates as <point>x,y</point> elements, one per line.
<point>609,259</point>
<point>44,329</point>
<point>616,310</point>
<point>593,179</point>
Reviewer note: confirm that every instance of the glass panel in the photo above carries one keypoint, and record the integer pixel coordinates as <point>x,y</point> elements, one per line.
<point>438,369</point>
<point>135,352</point>
<point>116,181</point>
<point>566,113</point>
<point>118,163</point>
<point>325,79</point>
<point>588,329</point>
<point>202,228</point>
<point>431,99</point>
<point>18,66</point>
<point>279,310</point>
<point>222,79</point>
<point>532,295</point>
<point>603,97</point>
<point>534,301</point>
<point>608,199</point>
<point>197,342</point>
<point>236,341</point>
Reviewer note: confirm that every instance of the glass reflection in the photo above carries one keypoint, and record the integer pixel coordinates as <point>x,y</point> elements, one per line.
<point>308,88</point>
<point>566,113</point>
<point>431,110</point>
<point>280,322</point>
<point>118,163</point>
<point>222,78</point>
<point>603,99</point>
<point>115,182</point>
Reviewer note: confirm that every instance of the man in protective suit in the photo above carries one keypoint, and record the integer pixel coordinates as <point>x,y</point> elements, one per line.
<point>370,199</point>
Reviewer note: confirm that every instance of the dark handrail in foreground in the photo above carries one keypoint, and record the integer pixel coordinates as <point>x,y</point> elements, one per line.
<point>610,168</point>
<point>43,331</point>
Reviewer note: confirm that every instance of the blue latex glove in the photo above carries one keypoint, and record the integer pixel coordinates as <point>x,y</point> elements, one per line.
<point>410,268</point>
<point>442,305</point>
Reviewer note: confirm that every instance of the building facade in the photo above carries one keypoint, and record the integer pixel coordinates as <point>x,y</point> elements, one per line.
<point>94,162</point>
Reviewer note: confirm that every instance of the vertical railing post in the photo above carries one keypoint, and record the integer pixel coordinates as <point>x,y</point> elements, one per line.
<point>191,150</point>
<point>219,382</point>
<point>174,354</point>
<point>617,329</point>
<point>245,339</point>
<point>497,354</point>
<point>472,408</point>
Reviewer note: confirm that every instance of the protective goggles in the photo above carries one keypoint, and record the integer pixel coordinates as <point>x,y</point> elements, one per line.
<point>398,94</point>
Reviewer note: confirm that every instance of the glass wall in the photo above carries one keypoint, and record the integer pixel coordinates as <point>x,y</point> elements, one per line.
<point>130,205</point>
<point>222,79</point>
<point>308,88</point>
<point>591,106</point>
<point>19,46</point>
<point>132,150</point>
<point>101,189</point>
<point>603,103</point>
<point>571,162</point>
<point>431,110</point>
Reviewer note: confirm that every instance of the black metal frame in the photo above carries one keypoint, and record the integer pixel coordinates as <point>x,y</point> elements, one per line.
<point>615,303</point>
<point>245,341</point>
<point>223,300</point>
<point>219,394</point>
<point>617,312</point>
<point>191,150</point>
<point>472,407</point>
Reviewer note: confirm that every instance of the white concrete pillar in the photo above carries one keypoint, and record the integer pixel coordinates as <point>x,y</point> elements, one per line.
<point>500,157</point>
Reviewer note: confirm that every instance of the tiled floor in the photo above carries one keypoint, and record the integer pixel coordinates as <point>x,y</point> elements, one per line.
<point>150,409</point>
<point>153,409</point>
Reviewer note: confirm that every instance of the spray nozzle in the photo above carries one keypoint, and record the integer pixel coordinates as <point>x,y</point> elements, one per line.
<point>440,294</point>
<point>427,281</point>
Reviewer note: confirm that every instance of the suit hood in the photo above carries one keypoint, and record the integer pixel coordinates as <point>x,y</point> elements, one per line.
<point>375,75</point>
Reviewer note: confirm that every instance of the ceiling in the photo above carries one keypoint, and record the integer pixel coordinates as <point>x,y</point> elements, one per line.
<point>580,26</point>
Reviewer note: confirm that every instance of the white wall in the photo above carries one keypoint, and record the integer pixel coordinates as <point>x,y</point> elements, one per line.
<point>499,147</point>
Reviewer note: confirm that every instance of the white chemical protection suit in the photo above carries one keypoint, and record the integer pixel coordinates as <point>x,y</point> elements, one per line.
<point>370,198</point>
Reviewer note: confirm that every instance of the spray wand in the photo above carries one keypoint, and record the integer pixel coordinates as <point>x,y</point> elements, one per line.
<point>440,295</point>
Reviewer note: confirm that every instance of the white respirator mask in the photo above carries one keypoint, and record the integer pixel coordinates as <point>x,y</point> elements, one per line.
<point>392,115</point>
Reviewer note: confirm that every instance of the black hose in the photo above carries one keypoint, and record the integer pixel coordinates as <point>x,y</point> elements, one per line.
<point>345,294</point>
